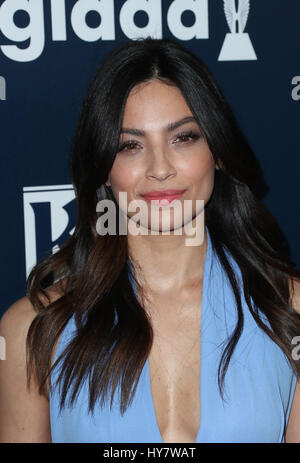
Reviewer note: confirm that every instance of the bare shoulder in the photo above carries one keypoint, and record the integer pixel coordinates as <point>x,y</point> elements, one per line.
<point>23,312</point>
<point>17,319</point>
<point>24,413</point>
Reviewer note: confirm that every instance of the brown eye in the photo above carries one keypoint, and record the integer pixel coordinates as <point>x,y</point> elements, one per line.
<point>128,146</point>
<point>131,146</point>
<point>187,137</point>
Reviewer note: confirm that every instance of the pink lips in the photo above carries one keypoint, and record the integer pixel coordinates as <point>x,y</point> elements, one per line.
<point>163,196</point>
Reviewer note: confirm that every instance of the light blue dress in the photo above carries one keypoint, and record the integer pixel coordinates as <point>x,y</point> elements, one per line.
<point>259,383</point>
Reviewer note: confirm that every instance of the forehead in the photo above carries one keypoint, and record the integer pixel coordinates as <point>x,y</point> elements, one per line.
<point>154,102</point>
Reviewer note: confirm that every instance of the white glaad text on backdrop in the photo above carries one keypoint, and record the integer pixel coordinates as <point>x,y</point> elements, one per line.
<point>106,30</point>
<point>237,45</point>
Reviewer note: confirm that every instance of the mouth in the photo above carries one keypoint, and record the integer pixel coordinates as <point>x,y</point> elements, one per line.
<point>163,197</point>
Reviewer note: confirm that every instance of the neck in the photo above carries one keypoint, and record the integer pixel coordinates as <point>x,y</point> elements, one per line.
<point>165,262</point>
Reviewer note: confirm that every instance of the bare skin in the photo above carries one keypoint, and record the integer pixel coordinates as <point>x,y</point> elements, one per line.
<point>24,414</point>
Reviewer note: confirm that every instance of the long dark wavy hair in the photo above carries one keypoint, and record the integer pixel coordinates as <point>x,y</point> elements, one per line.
<point>92,271</point>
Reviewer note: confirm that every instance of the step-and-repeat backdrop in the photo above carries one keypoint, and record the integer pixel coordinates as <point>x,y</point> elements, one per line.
<point>49,51</point>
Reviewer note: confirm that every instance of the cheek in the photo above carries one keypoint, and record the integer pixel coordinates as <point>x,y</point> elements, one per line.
<point>200,169</point>
<point>124,176</point>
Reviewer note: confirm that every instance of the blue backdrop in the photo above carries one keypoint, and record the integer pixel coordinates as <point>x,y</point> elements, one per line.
<point>49,51</point>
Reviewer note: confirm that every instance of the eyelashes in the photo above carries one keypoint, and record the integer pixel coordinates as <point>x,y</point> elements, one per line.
<point>126,144</point>
<point>191,134</point>
<point>184,138</point>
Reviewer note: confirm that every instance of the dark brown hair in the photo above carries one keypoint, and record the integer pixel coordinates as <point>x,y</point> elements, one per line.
<point>92,271</point>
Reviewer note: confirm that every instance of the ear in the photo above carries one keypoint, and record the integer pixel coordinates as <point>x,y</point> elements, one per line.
<point>107,183</point>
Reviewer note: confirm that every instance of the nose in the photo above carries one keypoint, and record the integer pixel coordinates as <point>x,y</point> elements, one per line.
<point>160,166</point>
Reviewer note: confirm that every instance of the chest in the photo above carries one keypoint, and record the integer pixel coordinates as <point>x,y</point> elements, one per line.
<point>174,366</point>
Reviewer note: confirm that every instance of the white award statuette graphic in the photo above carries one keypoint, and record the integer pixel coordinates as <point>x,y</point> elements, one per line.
<point>237,45</point>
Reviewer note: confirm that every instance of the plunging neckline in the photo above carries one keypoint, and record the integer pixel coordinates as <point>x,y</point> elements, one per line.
<point>203,307</point>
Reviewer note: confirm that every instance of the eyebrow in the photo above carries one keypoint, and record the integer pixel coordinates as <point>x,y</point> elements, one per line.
<point>170,127</point>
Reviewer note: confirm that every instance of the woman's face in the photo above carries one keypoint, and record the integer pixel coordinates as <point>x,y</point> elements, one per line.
<point>161,147</point>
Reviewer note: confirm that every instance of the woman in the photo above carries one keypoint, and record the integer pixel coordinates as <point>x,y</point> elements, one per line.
<point>127,319</point>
